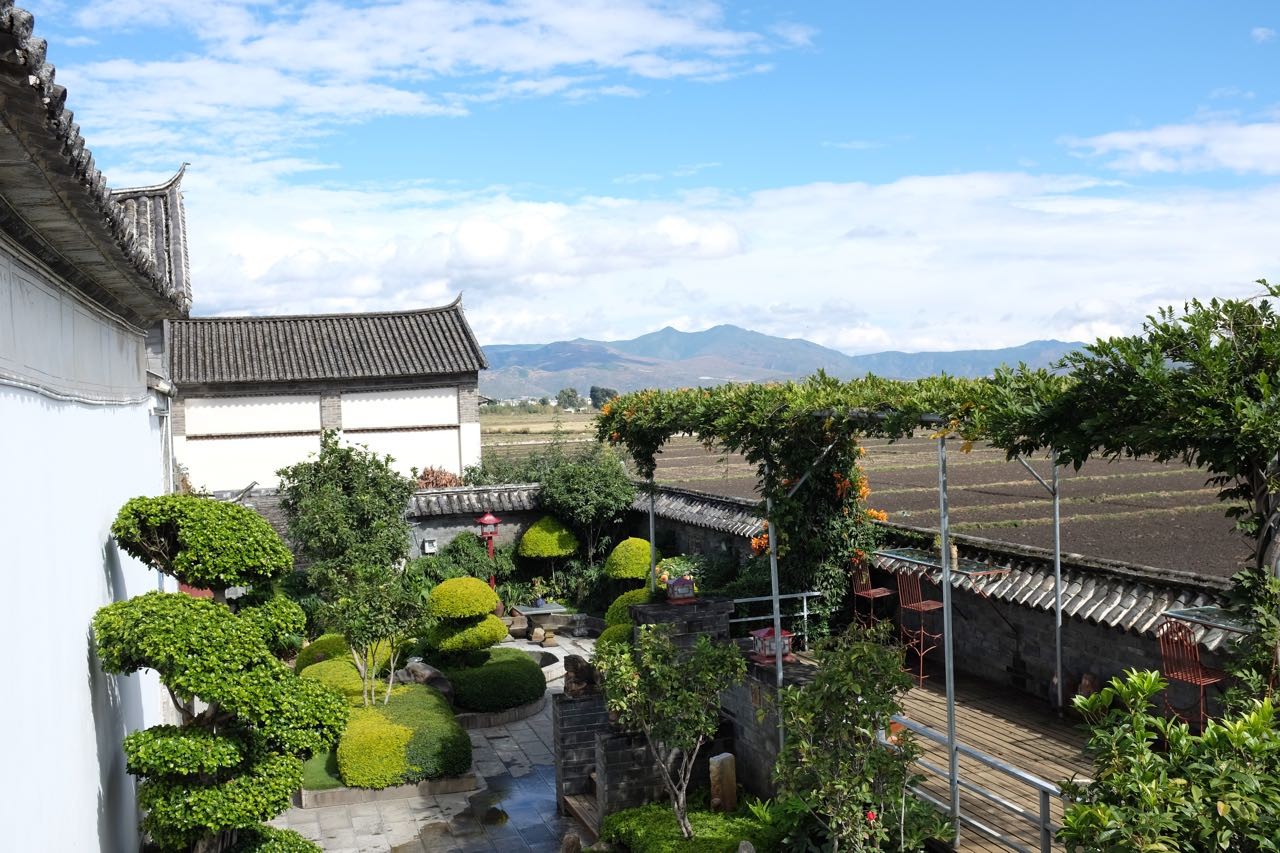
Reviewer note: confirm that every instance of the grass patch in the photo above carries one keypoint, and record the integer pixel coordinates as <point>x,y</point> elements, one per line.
<point>653,829</point>
<point>320,772</point>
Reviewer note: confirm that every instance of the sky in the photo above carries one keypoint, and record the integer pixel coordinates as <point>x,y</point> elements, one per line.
<point>869,176</point>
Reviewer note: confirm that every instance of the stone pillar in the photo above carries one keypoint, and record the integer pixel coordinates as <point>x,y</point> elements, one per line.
<point>708,616</point>
<point>574,724</point>
<point>330,410</point>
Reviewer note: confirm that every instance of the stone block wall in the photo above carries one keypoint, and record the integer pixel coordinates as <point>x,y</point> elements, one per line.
<point>443,529</point>
<point>709,616</point>
<point>626,773</point>
<point>574,725</point>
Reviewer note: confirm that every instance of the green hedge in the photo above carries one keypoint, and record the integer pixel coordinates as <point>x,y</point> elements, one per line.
<point>461,598</point>
<point>372,751</point>
<point>630,560</point>
<point>466,636</point>
<point>653,829</point>
<point>280,621</point>
<point>324,647</point>
<point>619,612</point>
<point>268,839</point>
<point>615,634</point>
<point>547,538</point>
<point>509,678</point>
<point>414,736</point>
<point>341,675</point>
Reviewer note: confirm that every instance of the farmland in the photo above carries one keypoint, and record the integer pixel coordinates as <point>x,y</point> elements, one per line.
<point>1134,511</point>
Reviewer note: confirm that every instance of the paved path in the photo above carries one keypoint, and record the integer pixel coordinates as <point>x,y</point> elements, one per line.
<point>514,813</point>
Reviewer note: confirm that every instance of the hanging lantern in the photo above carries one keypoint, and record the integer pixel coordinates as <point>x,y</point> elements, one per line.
<point>765,646</point>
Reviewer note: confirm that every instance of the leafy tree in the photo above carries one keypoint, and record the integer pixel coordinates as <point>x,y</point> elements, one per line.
<point>1158,787</point>
<point>831,761</point>
<point>599,395</point>
<point>672,696</point>
<point>1201,386</point>
<point>380,608</point>
<point>569,398</point>
<point>589,491</point>
<point>346,507</point>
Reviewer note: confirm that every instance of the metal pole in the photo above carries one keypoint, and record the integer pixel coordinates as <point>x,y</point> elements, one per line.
<point>777,608</point>
<point>653,548</point>
<point>1057,589</point>
<point>953,756</point>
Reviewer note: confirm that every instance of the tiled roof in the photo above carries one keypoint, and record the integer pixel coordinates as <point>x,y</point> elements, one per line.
<point>1118,595</point>
<point>159,222</point>
<point>700,509</point>
<point>465,500</point>
<point>300,348</point>
<point>54,201</point>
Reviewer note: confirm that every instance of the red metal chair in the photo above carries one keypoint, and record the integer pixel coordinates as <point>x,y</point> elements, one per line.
<point>919,639</point>
<point>1180,655</point>
<point>862,588</point>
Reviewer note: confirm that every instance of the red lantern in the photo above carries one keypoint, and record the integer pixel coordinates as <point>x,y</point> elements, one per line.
<point>489,532</point>
<point>765,647</point>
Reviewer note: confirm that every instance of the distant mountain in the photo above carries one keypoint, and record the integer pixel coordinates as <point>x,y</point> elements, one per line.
<point>669,358</point>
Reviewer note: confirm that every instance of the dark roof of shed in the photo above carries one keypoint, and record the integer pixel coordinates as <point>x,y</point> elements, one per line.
<point>300,348</point>
<point>468,500</point>
<point>55,202</point>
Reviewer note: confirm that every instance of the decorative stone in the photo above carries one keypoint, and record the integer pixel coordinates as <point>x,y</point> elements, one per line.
<point>580,677</point>
<point>538,635</point>
<point>571,844</point>
<point>746,847</point>
<point>549,640</point>
<point>724,782</point>
<point>417,672</point>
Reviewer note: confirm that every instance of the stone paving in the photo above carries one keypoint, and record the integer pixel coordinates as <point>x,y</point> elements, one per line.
<point>515,811</point>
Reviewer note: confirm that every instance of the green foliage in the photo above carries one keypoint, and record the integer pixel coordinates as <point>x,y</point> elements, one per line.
<point>654,829</point>
<point>346,506</point>
<point>1216,791</point>
<point>371,753</point>
<point>439,745</point>
<point>200,541</point>
<point>507,678</point>
<point>619,612</point>
<point>461,598</point>
<point>320,771</point>
<point>547,538</point>
<point>378,610</point>
<point>619,634</point>
<point>324,647</point>
<point>279,620</point>
<point>600,395</point>
<point>340,674</point>
<point>569,398</point>
<point>268,839</point>
<point>831,762</point>
<point>465,556</point>
<point>452,636</point>
<point>683,565</point>
<point>672,696</point>
<point>629,560</point>
<point>590,491</point>
<point>180,751</point>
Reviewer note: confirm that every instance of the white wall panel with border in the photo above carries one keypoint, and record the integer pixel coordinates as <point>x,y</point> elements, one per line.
<point>413,448</point>
<point>252,414</point>
<point>233,463</point>
<point>402,408</point>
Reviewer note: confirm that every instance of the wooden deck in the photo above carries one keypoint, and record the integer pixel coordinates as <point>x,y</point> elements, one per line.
<point>1012,728</point>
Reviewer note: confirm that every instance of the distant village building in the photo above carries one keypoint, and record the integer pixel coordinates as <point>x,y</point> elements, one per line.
<point>87,275</point>
<point>255,393</point>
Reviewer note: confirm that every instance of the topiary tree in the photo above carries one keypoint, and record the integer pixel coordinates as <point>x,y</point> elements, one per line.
<point>619,612</point>
<point>629,560</point>
<point>463,610</point>
<point>238,761</point>
<point>547,539</point>
<point>672,696</point>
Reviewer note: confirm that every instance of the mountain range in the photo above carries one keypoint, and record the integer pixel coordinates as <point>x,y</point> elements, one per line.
<point>669,358</point>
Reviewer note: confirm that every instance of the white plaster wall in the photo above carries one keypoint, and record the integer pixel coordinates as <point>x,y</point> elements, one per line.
<point>67,468</point>
<point>215,464</point>
<point>410,407</point>
<point>469,444</point>
<point>416,449</point>
<point>232,415</point>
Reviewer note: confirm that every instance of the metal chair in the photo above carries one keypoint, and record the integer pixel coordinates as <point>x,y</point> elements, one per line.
<point>1180,656</point>
<point>862,588</point>
<point>919,639</point>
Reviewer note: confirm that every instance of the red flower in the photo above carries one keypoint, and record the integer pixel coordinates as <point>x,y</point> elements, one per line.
<point>871,816</point>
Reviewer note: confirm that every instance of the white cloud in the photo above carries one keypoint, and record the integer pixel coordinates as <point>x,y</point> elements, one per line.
<point>1199,147</point>
<point>1262,35</point>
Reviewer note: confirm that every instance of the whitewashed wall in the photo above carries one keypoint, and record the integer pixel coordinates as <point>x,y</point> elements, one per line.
<point>67,469</point>
<point>406,408</point>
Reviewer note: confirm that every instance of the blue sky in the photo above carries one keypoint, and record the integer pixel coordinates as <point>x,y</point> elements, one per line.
<point>869,176</point>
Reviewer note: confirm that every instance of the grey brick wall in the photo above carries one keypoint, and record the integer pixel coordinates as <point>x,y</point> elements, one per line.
<point>708,616</point>
<point>330,410</point>
<point>468,402</point>
<point>443,529</point>
<point>574,725</point>
<point>626,773</point>
<point>178,413</point>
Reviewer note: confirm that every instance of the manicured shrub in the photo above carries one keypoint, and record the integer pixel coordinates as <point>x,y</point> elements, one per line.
<point>619,612</point>
<point>508,678</point>
<point>653,829</point>
<point>439,745</point>
<point>547,538</point>
<point>466,635</point>
<point>280,621</point>
<point>620,634</point>
<point>629,560</point>
<point>324,647</point>
<point>200,541</point>
<point>339,674</point>
<point>371,753</point>
<point>461,598</point>
<point>268,839</point>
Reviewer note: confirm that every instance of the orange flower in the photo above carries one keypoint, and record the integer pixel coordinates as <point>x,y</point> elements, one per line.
<point>878,514</point>
<point>863,490</point>
<point>615,437</point>
<point>607,407</point>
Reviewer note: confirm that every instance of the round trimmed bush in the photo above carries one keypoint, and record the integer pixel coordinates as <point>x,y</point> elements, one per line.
<point>439,746</point>
<point>461,598</point>
<point>324,647</point>
<point>547,538</point>
<point>468,635</point>
<point>629,560</point>
<point>268,839</point>
<point>620,634</point>
<point>509,678</point>
<point>340,674</point>
<point>619,613</point>
<point>372,751</point>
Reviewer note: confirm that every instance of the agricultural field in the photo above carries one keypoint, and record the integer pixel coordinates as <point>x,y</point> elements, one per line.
<point>1134,511</point>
